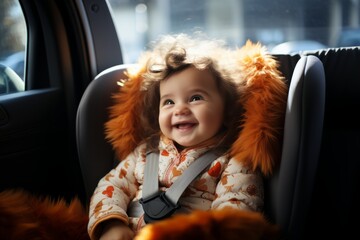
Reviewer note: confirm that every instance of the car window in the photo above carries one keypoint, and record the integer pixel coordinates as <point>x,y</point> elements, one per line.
<point>284,26</point>
<point>13,36</point>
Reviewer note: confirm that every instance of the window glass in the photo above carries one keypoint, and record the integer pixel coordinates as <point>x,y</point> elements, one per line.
<point>284,26</point>
<point>13,36</point>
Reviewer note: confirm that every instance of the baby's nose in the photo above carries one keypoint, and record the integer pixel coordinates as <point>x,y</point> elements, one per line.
<point>181,109</point>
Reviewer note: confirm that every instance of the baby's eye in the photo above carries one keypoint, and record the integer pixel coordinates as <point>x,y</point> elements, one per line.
<point>168,102</point>
<point>196,98</point>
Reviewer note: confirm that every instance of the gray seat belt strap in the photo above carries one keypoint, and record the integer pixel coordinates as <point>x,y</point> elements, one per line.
<point>175,191</point>
<point>151,182</point>
<point>179,186</point>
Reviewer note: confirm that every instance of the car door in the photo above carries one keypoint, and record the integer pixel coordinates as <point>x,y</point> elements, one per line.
<point>68,43</point>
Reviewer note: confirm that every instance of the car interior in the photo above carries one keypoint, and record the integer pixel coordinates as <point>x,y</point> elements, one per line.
<point>52,138</point>
<point>301,147</point>
<point>315,128</point>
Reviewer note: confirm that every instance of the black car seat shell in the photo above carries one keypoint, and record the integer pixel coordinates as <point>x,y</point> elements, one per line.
<point>290,189</point>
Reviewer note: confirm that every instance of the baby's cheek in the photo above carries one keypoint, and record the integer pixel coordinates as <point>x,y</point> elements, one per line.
<point>165,124</point>
<point>162,120</point>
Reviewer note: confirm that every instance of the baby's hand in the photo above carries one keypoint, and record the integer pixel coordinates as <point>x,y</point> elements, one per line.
<point>116,230</point>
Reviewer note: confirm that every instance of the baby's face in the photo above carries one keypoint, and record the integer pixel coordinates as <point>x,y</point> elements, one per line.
<point>191,107</point>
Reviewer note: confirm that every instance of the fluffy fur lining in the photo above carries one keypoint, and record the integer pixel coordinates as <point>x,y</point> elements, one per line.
<point>30,217</point>
<point>225,224</point>
<point>124,130</point>
<point>264,101</point>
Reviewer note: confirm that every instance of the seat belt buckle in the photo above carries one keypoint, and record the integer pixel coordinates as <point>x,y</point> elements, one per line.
<point>157,207</point>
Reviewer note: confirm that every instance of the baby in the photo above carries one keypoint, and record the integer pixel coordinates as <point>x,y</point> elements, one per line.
<point>184,102</point>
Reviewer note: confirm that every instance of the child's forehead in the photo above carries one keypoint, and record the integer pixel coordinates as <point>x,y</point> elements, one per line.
<point>191,75</point>
<point>190,80</point>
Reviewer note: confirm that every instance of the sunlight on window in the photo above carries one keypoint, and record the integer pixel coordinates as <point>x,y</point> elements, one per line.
<point>13,38</point>
<point>282,25</point>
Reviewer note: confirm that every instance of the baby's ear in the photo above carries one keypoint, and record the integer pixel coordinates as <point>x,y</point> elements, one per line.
<point>264,101</point>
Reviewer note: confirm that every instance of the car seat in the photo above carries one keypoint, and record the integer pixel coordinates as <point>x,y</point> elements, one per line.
<point>288,191</point>
<point>335,207</point>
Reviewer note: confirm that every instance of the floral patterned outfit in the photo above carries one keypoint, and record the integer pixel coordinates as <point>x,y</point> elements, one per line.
<point>226,182</point>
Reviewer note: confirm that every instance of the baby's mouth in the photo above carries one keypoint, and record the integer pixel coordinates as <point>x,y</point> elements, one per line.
<point>184,125</point>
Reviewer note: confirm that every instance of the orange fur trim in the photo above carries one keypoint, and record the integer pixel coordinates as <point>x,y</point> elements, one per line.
<point>225,224</point>
<point>25,216</point>
<point>123,129</point>
<point>264,102</point>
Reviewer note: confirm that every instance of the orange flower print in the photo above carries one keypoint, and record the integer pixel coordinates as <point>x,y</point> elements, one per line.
<point>98,208</point>
<point>176,172</point>
<point>228,188</point>
<point>164,153</point>
<point>108,191</point>
<point>126,165</point>
<point>201,185</point>
<point>123,173</point>
<point>182,158</point>
<point>215,170</point>
<point>224,180</point>
<point>108,176</point>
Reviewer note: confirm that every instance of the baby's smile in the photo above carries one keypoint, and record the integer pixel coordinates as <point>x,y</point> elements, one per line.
<point>184,126</point>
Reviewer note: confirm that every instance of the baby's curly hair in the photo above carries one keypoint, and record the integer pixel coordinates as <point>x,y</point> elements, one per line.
<point>172,54</point>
